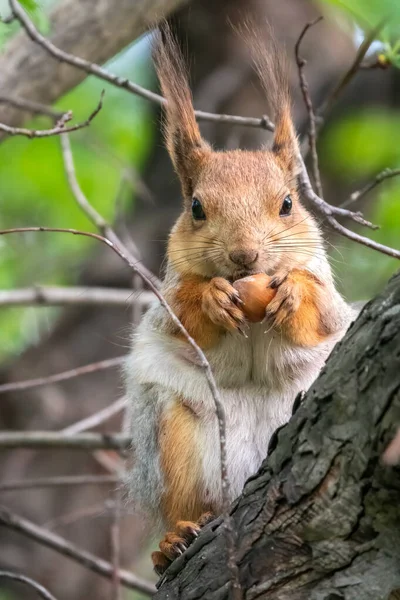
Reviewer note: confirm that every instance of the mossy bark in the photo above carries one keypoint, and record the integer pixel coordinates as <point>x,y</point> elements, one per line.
<point>321,519</point>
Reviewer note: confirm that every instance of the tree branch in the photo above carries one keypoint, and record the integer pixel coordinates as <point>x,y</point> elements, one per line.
<point>327,211</point>
<point>33,107</point>
<point>42,592</point>
<point>27,384</point>
<point>57,130</point>
<point>61,545</point>
<point>312,131</point>
<point>60,481</point>
<point>51,440</point>
<point>382,176</point>
<point>43,295</point>
<point>123,83</point>
<point>96,419</point>
<point>91,29</point>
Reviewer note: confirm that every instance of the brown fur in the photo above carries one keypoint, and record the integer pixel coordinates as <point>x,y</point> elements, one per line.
<point>180,463</point>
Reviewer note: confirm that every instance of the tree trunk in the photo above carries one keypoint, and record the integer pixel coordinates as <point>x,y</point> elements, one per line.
<point>321,519</point>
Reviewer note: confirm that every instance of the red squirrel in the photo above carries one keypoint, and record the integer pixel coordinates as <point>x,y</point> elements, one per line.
<point>241,215</point>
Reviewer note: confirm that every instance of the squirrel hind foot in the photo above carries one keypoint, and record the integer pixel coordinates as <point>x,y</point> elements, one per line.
<point>175,543</point>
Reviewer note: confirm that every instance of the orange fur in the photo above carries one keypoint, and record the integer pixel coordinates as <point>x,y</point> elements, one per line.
<point>205,309</point>
<point>298,309</point>
<point>181,465</point>
<point>182,134</point>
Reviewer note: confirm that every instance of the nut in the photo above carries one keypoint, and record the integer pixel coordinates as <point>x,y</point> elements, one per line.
<point>255,295</point>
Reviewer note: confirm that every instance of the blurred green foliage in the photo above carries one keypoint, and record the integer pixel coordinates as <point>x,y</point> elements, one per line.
<point>368,14</point>
<point>352,152</point>
<point>34,189</point>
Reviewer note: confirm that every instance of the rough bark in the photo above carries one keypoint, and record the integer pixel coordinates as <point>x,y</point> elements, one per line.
<point>95,30</point>
<point>321,519</point>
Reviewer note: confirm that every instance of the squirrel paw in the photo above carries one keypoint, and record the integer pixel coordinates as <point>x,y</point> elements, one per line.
<point>287,300</point>
<point>175,543</point>
<point>221,303</point>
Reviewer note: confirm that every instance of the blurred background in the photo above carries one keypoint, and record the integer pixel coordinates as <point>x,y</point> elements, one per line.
<point>125,172</point>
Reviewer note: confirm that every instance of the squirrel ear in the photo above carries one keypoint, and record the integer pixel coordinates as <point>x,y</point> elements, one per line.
<point>285,145</point>
<point>184,142</point>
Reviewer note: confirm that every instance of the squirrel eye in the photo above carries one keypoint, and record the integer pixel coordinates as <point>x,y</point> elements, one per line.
<point>197,210</point>
<point>286,207</point>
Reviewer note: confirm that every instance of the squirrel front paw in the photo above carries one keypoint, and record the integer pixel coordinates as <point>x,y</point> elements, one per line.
<point>287,299</point>
<point>221,303</point>
<point>296,308</point>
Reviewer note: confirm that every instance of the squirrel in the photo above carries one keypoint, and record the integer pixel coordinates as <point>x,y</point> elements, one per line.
<point>241,215</point>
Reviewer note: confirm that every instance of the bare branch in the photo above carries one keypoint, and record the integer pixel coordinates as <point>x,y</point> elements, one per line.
<point>328,212</point>
<point>94,69</point>
<point>105,229</point>
<point>93,29</point>
<point>61,545</point>
<point>51,440</point>
<point>60,481</point>
<point>28,384</point>
<point>42,592</point>
<point>58,129</point>
<point>115,542</point>
<point>312,131</point>
<point>98,418</point>
<point>385,174</point>
<point>42,295</point>
<point>33,107</point>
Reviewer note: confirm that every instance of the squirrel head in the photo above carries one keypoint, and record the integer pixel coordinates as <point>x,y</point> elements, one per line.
<point>242,213</point>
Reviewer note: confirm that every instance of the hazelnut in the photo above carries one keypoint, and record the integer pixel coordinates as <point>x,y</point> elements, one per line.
<point>255,295</point>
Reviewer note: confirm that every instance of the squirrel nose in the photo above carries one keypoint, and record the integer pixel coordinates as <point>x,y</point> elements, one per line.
<point>244,258</point>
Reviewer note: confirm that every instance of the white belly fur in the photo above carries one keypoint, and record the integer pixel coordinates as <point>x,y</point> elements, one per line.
<point>258,379</point>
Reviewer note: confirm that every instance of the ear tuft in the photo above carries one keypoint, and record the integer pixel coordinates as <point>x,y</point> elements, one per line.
<point>271,66</point>
<point>184,142</point>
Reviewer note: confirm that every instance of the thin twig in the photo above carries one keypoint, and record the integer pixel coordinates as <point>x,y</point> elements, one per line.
<point>28,384</point>
<point>98,418</point>
<point>96,218</point>
<point>58,481</point>
<point>43,295</point>
<point>328,213</point>
<point>115,542</point>
<point>352,71</point>
<point>33,107</point>
<point>61,545</point>
<point>57,130</point>
<point>385,174</point>
<point>312,131</point>
<point>51,440</point>
<point>42,592</point>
